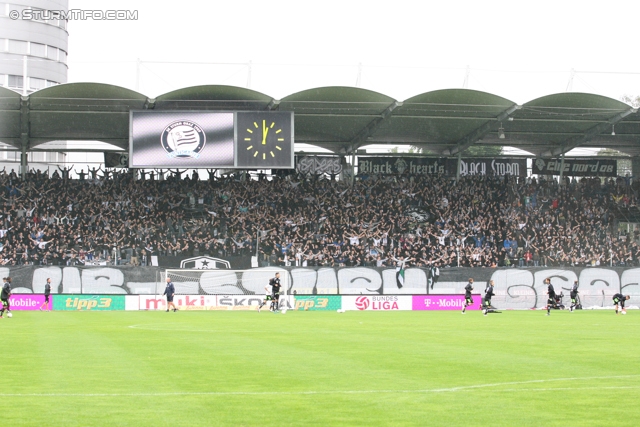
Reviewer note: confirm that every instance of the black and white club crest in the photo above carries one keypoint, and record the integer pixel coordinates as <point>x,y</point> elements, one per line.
<point>183,139</point>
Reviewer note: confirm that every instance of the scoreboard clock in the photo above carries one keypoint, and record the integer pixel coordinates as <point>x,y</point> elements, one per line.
<point>210,139</point>
<point>264,140</point>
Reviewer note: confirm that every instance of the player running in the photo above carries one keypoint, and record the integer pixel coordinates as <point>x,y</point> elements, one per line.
<point>618,300</point>
<point>488,293</point>
<point>4,296</point>
<point>267,296</point>
<point>467,295</point>
<point>272,293</point>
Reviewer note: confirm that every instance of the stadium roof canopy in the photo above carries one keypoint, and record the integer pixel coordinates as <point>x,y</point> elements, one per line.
<point>340,119</point>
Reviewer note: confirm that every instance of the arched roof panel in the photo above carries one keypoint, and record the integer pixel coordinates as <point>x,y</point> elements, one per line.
<point>9,116</point>
<point>334,116</point>
<point>9,99</point>
<point>441,117</point>
<point>213,97</point>
<point>86,97</point>
<point>82,111</point>
<point>468,98</point>
<point>340,119</point>
<point>565,119</point>
<point>577,101</point>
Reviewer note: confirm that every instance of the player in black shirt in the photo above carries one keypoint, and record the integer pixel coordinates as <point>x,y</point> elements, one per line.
<point>467,295</point>
<point>574,296</point>
<point>47,292</point>
<point>274,284</point>
<point>618,300</point>
<point>4,296</point>
<point>488,293</point>
<point>170,291</point>
<point>275,292</point>
<point>552,295</point>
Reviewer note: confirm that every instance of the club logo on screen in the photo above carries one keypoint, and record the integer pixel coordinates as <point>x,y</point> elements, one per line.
<point>183,139</point>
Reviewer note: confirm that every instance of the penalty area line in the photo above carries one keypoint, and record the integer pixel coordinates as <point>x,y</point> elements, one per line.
<point>568,388</point>
<point>328,392</point>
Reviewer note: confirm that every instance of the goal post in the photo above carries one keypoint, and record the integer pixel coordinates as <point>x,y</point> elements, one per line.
<point>224,289</point>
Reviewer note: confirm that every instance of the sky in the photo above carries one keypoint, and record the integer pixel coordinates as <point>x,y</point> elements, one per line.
<point>517,50</point>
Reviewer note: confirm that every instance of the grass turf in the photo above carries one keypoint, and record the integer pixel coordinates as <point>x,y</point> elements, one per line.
<point>320,368</point>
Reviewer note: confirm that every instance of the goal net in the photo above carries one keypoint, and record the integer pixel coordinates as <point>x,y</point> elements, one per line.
<point>224,289</point>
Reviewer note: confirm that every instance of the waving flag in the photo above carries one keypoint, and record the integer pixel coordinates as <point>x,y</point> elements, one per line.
<point>400,277</point>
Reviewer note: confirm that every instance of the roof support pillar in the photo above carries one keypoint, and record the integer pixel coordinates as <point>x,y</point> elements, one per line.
<point>24,135</point>
<point>273,105</point>
<point>360,139</point>
<point>635,168</point>
<point>591,133</point>
<point>479,133</point>
<point>353,168</point>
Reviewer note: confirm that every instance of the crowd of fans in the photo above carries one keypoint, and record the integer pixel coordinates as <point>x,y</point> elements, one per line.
<point>426,220</point>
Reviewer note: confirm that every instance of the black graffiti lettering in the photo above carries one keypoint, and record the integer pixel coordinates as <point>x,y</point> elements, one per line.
<point>515,295</point>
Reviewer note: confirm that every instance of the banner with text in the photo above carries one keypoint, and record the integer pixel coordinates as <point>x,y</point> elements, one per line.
<point>209,302</point>
<point>442,166</point>
<point>514,287</point>
<point>318,302</point>
<point>318,165</point>
<point>489,166</point>
<point>576,167</point>
<point>444,302</point>
<point>377,302</point>
<point>183,302</point>
<point>28,302</point>
<point>88,302</point>
<point>401,165</point>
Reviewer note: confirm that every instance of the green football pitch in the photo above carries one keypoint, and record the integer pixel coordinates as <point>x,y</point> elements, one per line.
<point>518,368</point>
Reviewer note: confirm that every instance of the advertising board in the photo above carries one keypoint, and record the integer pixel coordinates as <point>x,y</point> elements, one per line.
<point>88,302</point>
<point>443,302</point>
<point>377,302</point>
<point>27,302</point>
<point>318,302</point>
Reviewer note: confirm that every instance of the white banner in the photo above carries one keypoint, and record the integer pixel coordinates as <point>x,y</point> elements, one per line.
<point>377,302</point>
<point>184,302</point>
<point>209,302</point>
<point>132,302</point>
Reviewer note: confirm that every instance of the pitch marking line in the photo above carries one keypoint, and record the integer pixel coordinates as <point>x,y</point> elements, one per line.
<point>163,328</point>
<point>318,392</point>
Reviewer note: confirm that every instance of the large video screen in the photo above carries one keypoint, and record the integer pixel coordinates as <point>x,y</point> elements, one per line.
<point>203,139</point>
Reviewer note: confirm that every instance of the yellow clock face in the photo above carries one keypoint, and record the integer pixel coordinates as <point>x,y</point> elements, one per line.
<point>264,140</point>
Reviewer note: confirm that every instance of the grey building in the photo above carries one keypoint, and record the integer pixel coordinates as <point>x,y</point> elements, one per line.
<point>33,56</point>
<point>33,42</point>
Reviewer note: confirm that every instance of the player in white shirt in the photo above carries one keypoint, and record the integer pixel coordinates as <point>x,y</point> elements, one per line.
<point>267,296</point>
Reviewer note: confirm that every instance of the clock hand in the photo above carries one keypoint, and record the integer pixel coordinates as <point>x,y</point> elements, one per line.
<point>265,131</point>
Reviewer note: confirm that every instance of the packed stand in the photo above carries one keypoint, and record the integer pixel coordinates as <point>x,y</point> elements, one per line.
<point>428,221</point>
